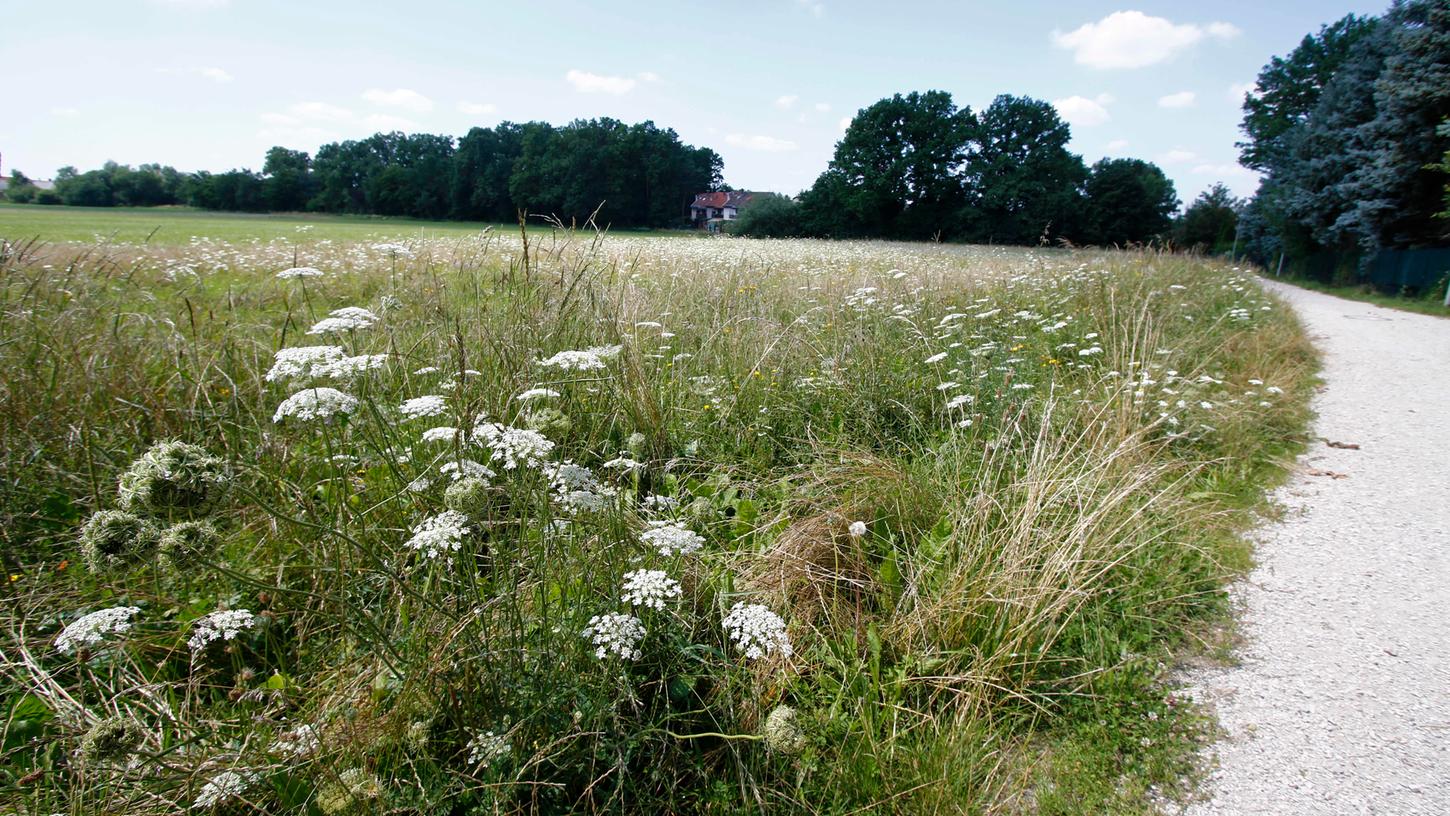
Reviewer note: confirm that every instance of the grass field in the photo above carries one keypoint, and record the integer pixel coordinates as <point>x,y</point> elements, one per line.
<point>1432,303</point>
<point>629,525</point>
<point>172,226</point>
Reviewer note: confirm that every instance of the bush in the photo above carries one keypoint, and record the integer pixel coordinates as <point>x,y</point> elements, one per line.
<point>769,215</point>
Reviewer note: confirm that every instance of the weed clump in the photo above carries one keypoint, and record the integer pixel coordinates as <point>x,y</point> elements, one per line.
<point>172,478</point>
<point>113,540</point>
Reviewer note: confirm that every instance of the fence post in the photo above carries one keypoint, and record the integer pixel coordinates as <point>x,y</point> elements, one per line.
<point>1280,271</point>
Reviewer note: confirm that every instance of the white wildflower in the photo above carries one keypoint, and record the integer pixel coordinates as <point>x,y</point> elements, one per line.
<point>348,318</point>
<point>223,788</point>
<point>935,358</point>
<point>537,394</point>
<point>464,468</point>
<point>1090,352</point>
<point>615,634</point>
<point>302,362</point>
<point>442,433</point>
<point>960,400</point>
<point>757,631</point>
<point>487,747</point>
<point>300,742</point>
<point>315,403</point>
<point>649,588</point>
<point>349,368</point>
<point>857,529</point>
<point>669,538</point>
<point>439,535</point>
<point>300,272</point>
<point>660,504</point>
<point>513,447</point>
<point>223,625</point>
<point>587,360</point>
<point>90,630</point>
<point>425,406</point>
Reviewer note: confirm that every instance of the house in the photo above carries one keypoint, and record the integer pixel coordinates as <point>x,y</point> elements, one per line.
<point>708,209</point>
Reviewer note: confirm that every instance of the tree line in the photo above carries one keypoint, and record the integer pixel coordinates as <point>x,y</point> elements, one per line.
<point>643,175</point>
<point>916,167</point>
<point>1352,133</point>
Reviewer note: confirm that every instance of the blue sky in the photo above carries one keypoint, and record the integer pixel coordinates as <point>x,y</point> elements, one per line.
<point>211,84</point>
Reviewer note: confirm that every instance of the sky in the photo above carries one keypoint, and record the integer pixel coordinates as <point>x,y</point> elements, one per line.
<point>768,84</point>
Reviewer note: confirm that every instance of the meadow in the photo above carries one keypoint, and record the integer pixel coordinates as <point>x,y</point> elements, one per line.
<point>175,226</point>
<point>565,522</point>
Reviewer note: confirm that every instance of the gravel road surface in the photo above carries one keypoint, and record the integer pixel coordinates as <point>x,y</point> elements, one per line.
<point>1341,704</point>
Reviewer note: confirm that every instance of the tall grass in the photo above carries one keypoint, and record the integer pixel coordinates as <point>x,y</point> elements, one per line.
<point>1039,531</point>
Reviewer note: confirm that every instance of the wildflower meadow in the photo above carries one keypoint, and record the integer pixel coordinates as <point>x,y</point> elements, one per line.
<point>567,522</point>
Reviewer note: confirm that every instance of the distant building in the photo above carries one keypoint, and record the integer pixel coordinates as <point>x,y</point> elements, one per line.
<point>709,209</point>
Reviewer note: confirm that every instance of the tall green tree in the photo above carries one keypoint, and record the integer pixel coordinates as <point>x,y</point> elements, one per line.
<point>1023,184</point>
<point>1127,201</point>
<point>1288,88</point>
<point>1210,222</point>
<point>898,169</point>
<point>287,179</point>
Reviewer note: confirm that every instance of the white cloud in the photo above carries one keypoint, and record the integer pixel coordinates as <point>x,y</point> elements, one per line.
<point>648,76</point>
<point>1117,144</point>
<point>280,119</point>
<point>764,144</point>
<point>404,98</point>
<point>215,74</point>
<point>823,107</point>
<point>1084,112</point>
<point>299,138</point>
<point>476,108</point>
<point>585,82</point>
<point>1177,156</point>
<point>845,123</point>
<point>1239,90</point>
<point>1132,39</point>
<point>66,112</point>
<point>786,102</point>
<point>1182,99</point>
<point>816,8</point>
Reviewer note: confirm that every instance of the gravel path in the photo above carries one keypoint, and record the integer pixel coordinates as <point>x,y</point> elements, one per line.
<point>1342,702</point>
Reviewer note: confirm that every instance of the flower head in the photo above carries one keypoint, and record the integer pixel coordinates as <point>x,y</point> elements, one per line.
<point>348,318</point>
<point>670,538</point>
<point>301,362</point>
<point>615,634</point>
<point>92,629</point>
<point>487,747</point>
<point>857,529</point>
<point>300,272</point>
<point>649,588</point>
<point>171,476</point>
<point>111,741</point>
<point>440,535</point>
<point>782,731</point>
<point>590,359</point>
<point>183,544</point>
<point>316,403</point>
<point>115,539</point>
<point>757,631</point>
<point>223,788</point>
<point>425,406</point>
<point>221,625</point>
<point>513,447</point>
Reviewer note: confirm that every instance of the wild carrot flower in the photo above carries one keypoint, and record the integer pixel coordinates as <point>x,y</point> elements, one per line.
<point>300,272</point>
<point>537,394</point>
<point>223,788</point>
<point>649,588</point>
<point>615,634</point>
<point>348,318</point>
<point>171,476</point>
<point>590,359</point>
<point>221,625</point>
<point>111,741</point>
<point>783,732</point>
<point>440,535</point>
<point>302,362</point>
<point>757,631</point>
<point>470,496</point>
<point>316,403</point>
<point>442,433</point>
<point>91,629</point>
<point>425,406</point>
<point>513,447</point>
<point>300,742</point>
<point>115,539</point>
<point>670,538</point>
<point>183,544</point>
<point>487,747</point>
<point>350,368</point>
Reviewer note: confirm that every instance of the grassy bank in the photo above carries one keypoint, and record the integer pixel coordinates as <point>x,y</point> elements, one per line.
<point>623,525</point>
